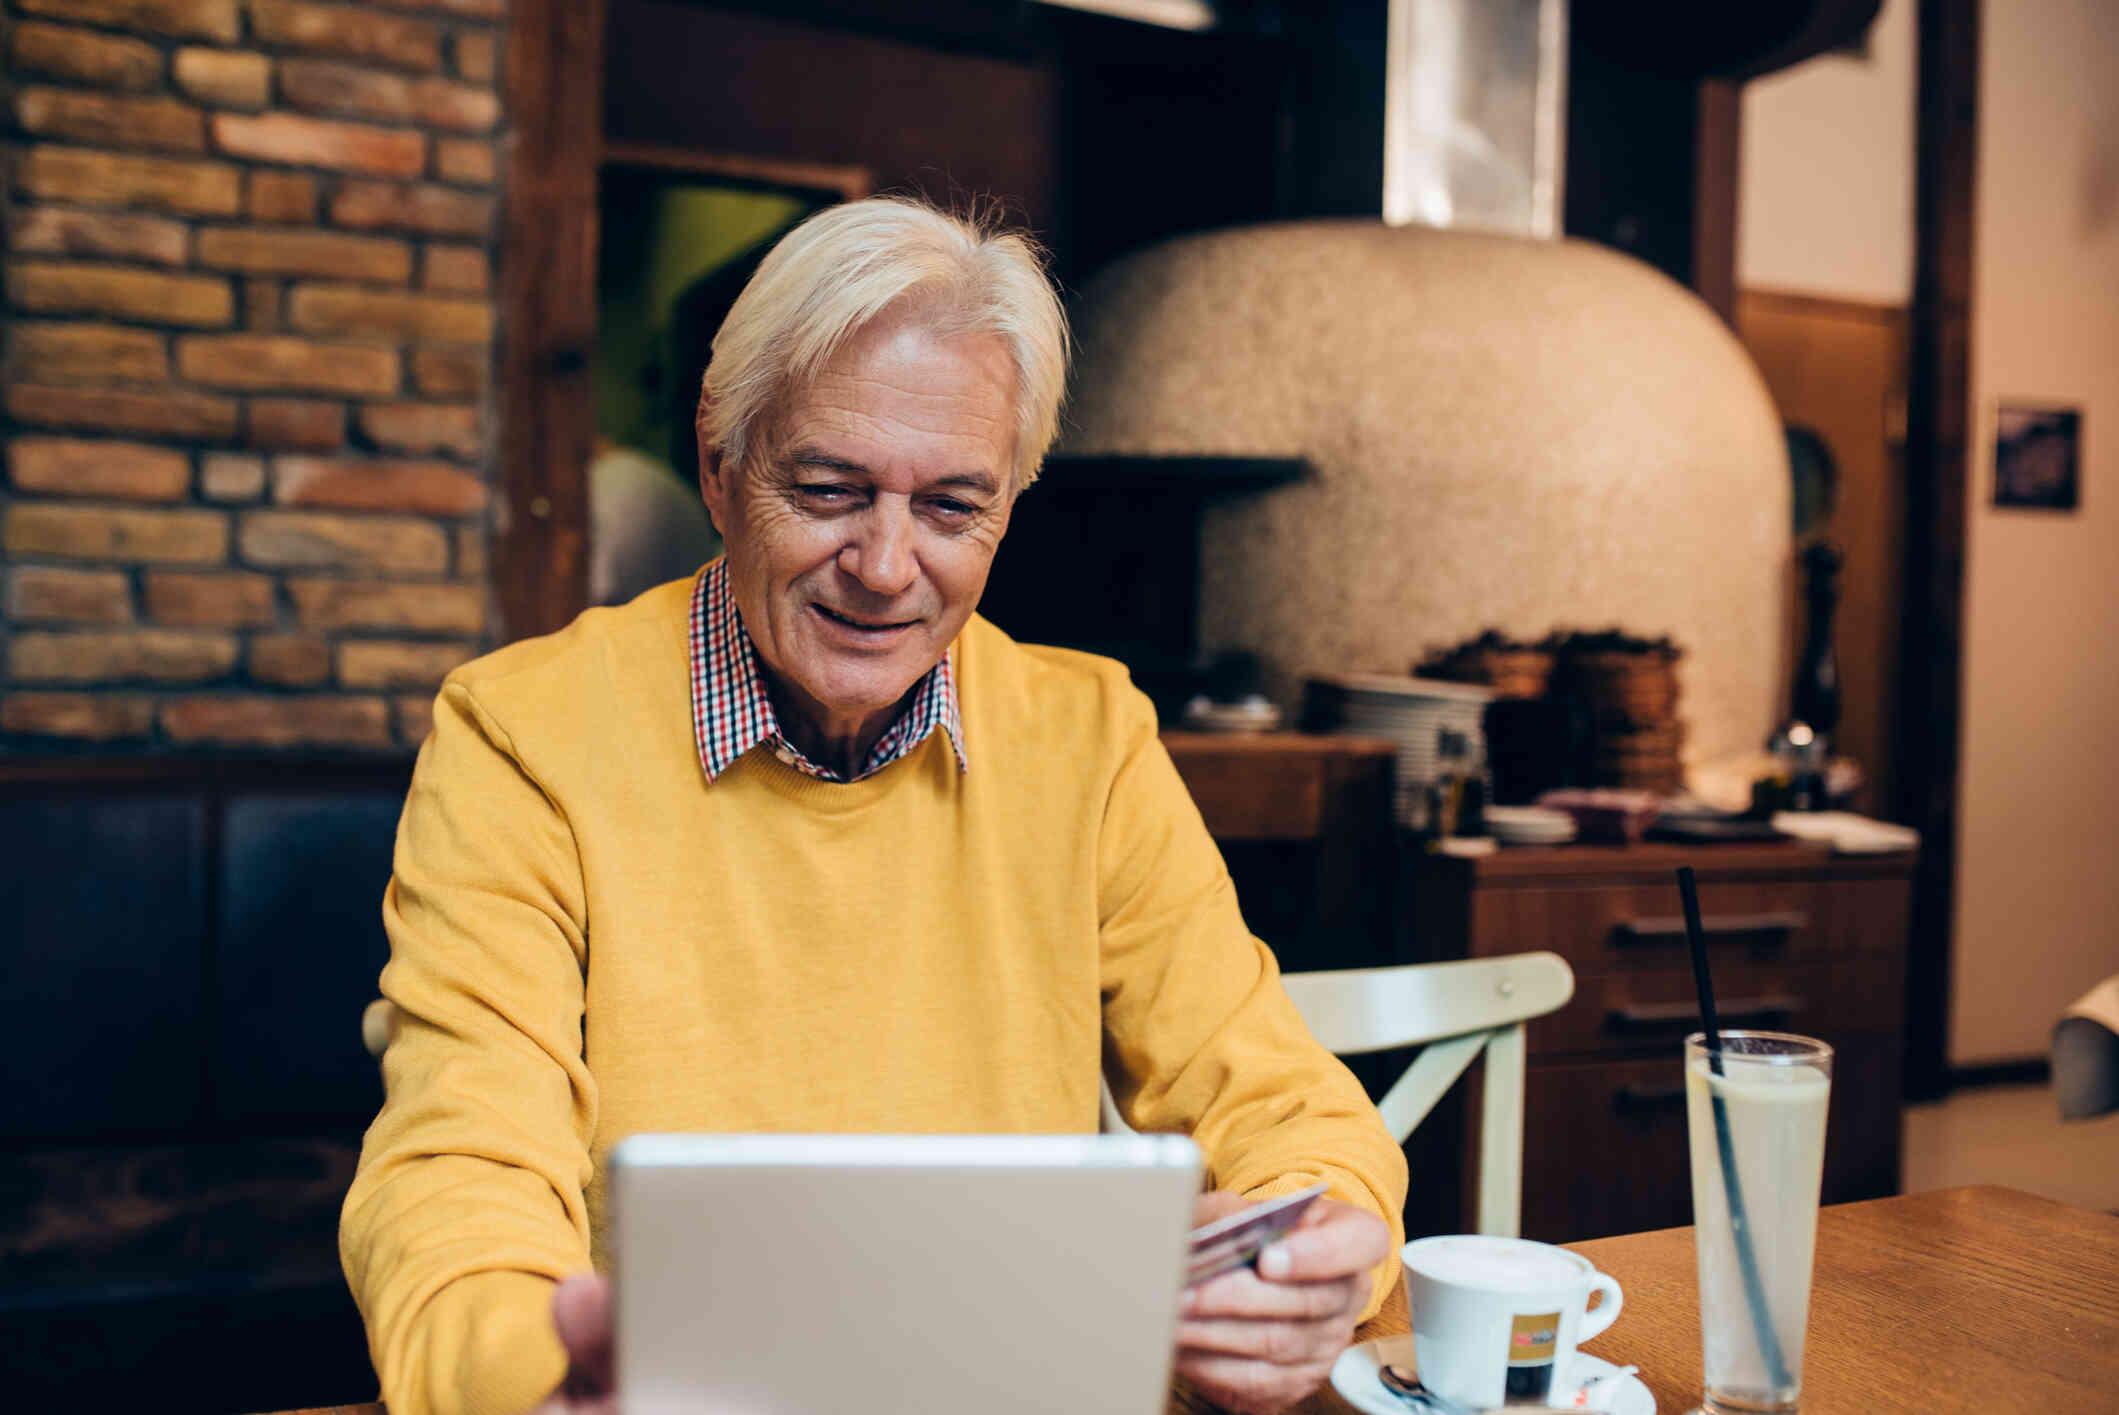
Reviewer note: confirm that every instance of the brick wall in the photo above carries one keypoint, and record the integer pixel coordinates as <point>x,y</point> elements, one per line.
<point>249,326</point>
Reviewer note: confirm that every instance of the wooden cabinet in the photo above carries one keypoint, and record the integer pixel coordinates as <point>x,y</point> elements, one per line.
<point>1800,940</point>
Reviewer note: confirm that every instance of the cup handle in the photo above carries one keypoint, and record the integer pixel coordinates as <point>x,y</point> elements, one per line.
<point>1597,1322</point>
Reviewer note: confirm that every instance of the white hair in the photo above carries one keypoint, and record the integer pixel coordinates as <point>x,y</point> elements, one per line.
<point>842,268</point>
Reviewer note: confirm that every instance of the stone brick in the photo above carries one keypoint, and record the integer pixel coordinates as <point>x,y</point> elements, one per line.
<point>170,414</point>
<point>353,32</point>
<point>475,56</point>
<point>465,160</point>
<point>382,604</point>
<point>321,142</point>
<point>119,655</point>
<point>186,19</point>
<point>334,309</point>
<point>386,663</point>
<point>471,552</point>
<point>290,660</point>
<point>450,373</point>
<point>437,211</point>
<point>186,186</point>
<point>231,476</point>
<point>261,306</point>
<point>227,78</point>
<point>309,720</point>
<point>86,57</point>
<point>326,86</point>
<point>65,287</point>
<point>423,427</point>
<point>322,86</point>
<point>86,353</point>
<point>432,488</point>
<point>74,466</point>
<point>96,533</point>
<point>91,717</point>
<point>468,109</point>
<point>458,269</point>
<point>308,539</point>
<point>45,230</point>
<point>296,425</point>
<point>278,251</point>
<point>39,594</point>
<point>227,601</point>
<point>282,196</point>
<point>415,717</point>
<point>162,123</point>
<point>283,362</point>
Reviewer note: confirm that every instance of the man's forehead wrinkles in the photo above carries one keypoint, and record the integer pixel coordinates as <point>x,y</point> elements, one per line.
<point>912,387</point>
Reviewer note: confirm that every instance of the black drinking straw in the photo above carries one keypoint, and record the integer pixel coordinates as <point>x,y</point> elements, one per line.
<point>1769,1345</point>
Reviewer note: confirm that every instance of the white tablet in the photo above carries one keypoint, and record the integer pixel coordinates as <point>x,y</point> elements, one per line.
<point>890,1274</point>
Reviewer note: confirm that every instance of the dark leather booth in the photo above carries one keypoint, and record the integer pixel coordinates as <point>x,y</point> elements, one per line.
<point>192,945</point>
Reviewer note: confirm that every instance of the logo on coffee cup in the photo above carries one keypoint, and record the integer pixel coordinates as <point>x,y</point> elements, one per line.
<point>1532,1341</point>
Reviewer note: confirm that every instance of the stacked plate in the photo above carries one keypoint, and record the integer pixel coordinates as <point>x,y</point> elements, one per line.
<point>1413,712</point>
<point>1529,825</point>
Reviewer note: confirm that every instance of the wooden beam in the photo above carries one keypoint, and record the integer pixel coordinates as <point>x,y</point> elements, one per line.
<point>1716,163</point>
<point>547,412</point>
<point>848,181</point>
<point>1938,418</point>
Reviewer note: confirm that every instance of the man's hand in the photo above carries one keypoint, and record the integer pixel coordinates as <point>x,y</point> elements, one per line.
<point>1257,1342</point>
<point>581,1310</point>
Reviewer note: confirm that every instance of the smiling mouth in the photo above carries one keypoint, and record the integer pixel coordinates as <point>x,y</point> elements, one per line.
<point>862,625</point>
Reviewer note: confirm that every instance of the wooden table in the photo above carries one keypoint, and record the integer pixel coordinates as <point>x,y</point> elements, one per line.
<point>1966,1300</point>
<point>1976,1300</point>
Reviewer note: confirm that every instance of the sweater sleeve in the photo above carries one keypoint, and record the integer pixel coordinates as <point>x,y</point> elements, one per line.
<point>1200,1036</point>
<point>468,1203</point>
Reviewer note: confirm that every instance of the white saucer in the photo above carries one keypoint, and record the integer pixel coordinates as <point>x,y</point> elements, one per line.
<point>1354,1376</point>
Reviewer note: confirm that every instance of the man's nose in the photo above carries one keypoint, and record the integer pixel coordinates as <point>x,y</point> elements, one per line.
<point>881,554</point>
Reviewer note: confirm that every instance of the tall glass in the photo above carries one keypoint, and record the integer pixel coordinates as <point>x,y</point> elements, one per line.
<point>1766,1113</point>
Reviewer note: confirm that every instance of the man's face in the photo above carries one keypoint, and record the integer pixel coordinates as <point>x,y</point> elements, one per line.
<point>860,536</point>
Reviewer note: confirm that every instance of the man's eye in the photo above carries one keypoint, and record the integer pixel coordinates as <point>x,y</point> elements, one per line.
<point>951,507</point>
<point>825,493</point>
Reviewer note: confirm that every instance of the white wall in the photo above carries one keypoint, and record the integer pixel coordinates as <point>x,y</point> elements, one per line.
<point>2038,859</point>
<point>1825,204</point>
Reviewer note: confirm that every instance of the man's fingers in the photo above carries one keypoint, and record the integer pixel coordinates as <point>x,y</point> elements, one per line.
<point>1275,1343</point>
<point>581,1312</point>
<point>1339,1242</point>
<point>1236,1383</point>
<point>1243,1294</point>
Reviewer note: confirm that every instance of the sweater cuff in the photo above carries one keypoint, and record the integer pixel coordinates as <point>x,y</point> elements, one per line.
<point>510,1357</point>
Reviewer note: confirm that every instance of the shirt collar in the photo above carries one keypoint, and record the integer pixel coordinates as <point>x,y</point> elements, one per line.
<point>732,712</point>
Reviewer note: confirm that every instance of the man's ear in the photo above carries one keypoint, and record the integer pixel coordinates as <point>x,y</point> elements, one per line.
<point>714,472</point>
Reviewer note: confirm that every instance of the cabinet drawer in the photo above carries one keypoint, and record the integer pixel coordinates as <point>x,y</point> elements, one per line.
<point>1639,927</point>
<point>1634,1011</point>
<point>1605,1148</point>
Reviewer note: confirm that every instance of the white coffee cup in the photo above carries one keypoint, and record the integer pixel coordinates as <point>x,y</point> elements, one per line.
<point>1495,1318</point>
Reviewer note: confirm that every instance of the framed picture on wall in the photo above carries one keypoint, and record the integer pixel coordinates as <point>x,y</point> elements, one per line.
<point>2038,458</point>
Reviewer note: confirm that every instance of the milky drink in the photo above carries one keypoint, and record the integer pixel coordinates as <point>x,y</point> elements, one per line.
<point>1774,1091</point>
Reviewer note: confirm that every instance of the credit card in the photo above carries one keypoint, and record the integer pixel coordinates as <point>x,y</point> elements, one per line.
<point>1235,1241</point>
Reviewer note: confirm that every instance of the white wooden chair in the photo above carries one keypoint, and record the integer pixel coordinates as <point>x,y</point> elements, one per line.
<point>1454,1012</point>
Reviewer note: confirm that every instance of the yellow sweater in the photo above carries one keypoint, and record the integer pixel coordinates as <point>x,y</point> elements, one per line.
<point>588,940</point>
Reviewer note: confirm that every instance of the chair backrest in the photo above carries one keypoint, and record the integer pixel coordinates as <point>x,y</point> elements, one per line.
<point>1455,1012</point>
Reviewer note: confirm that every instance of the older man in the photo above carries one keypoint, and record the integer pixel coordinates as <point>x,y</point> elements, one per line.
<point>802,844</point>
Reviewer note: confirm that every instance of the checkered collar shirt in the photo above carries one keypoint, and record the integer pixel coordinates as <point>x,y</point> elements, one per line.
<point>732,712</point>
